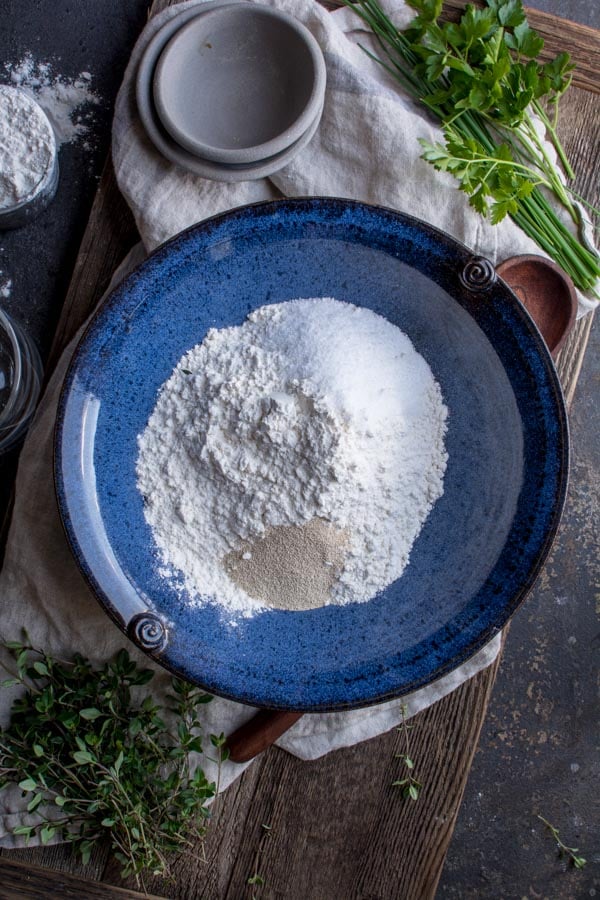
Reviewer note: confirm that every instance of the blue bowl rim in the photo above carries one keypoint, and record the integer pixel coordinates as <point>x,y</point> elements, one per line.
<point>465,255</point>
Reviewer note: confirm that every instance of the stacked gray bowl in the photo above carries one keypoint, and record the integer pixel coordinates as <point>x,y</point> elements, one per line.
<point>231,90</point>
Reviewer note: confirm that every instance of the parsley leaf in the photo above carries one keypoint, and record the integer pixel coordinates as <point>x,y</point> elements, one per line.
<point>494,98</point>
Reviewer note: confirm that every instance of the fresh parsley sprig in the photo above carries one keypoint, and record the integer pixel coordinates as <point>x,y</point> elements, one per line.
<point>498,105</point>
<point>95,758</point>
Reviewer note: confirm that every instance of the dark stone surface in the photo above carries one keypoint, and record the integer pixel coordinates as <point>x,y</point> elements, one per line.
<point>538,752</point>
<point>75,36</point>
<point>586,12</point>
<point>538,749</point>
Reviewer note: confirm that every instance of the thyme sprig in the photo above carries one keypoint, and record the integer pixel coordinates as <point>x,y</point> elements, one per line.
<point>95,758</point>
<point>571,853</point>
<point>496,103</point>
<point>409,785</point>
<point>256,879</point>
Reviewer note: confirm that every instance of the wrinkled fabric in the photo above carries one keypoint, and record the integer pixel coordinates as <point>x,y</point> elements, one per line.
<point>366,148</point>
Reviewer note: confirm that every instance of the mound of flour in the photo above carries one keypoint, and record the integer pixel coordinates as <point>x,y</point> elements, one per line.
<point>27,146</point>
<point>68,102</point>
<point>312,409</point>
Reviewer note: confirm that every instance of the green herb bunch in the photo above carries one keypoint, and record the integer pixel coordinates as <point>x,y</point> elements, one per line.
<point>481,78</point>
<point>97,760</point>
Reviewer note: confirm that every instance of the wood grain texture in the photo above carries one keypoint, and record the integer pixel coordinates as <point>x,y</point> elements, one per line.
<point>109,235</point>
<point>19,881</point>
<point>60,858</point>
<point>338,828</point>
<point>579,131</point>
<point>570,359</point>
<point>582,42</point>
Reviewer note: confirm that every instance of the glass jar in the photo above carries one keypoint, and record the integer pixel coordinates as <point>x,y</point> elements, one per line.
<point>20,381</point>
<point>22,113</point>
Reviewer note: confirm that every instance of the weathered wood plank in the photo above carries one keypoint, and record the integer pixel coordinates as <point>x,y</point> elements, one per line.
<point>109,234</point>
<point>26,882</point>
<point>338,827</point>
<point>60,858</point>
<point>571,356</point>
<point>582,42</point>
<point>579,130</point>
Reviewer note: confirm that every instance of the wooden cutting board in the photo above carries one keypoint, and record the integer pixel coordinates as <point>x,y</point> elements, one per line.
<point>339,829</point>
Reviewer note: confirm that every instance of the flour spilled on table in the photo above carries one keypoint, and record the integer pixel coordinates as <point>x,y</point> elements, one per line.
<point>292,461</point>
<point>67,101</point>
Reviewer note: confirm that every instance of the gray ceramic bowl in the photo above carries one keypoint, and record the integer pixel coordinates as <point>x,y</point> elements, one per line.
<point>239,84</point>
<point>163,141</point>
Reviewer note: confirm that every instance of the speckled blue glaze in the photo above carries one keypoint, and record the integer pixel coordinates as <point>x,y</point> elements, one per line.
<point>482,545</point>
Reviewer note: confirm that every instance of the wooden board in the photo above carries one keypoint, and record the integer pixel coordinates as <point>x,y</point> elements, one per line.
<point>20,881</point>
<point>338,827</point>
<point>582,43</point>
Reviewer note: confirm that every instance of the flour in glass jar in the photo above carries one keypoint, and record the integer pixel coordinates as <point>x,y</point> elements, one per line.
<point>292,461</point>
<point>27,147</point>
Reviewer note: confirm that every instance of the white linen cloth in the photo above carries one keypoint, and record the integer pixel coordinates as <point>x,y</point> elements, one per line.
<point>366,148</point>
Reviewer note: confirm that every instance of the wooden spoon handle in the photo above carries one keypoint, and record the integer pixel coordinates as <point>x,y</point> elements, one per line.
<point>258,733</point>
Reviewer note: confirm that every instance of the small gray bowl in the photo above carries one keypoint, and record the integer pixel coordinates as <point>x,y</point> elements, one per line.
<point>239,84</point>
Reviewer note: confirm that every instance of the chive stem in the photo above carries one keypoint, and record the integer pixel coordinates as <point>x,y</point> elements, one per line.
<point>406,57</point>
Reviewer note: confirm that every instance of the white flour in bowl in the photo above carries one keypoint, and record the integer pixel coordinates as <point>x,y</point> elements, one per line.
<point>311,410</point>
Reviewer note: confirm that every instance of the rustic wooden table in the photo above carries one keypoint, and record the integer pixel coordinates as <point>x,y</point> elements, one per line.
<point>338,828</point>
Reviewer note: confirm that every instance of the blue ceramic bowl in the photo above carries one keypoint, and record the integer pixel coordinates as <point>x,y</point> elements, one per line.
<point>486,538</point>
